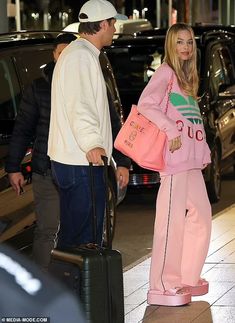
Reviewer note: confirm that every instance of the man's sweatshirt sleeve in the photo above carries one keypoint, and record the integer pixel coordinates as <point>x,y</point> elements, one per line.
<point>80,84</point>
<point>23,132</point>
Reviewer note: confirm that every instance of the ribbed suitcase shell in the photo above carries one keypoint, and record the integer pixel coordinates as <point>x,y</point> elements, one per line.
<point>95,275</point>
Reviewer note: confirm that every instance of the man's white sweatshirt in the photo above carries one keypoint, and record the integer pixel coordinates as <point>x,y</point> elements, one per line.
<point>80,118</point>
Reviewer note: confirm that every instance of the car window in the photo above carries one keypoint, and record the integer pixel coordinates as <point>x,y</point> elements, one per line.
<point>218,76</point>
<point>32,68</point>
<point>228,65</point>
<point>133,68</point>
<point>10,90</point>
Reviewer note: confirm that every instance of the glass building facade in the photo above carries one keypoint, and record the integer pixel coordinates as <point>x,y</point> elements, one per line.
<point>56,14</point>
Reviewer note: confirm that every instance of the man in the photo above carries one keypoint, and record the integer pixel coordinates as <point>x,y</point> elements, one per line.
<point>80,129</point>
<point>32,123</point>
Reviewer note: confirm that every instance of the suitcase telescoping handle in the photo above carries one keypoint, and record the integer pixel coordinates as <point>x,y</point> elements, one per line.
<point>107,207</point>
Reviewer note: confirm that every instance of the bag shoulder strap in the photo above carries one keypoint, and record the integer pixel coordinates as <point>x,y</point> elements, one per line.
<point>169,88</point>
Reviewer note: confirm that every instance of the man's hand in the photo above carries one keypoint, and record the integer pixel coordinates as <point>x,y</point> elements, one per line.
<point>122,175</point>
<point>17,182</point>
<point>175,144</point>
<point>94,156</point>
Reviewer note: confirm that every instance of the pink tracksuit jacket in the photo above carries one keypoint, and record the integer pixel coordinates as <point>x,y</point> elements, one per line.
<point>181,116</point>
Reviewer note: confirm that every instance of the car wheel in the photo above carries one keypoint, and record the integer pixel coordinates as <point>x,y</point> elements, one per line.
<point>113,212</point>
<point>214,184</point>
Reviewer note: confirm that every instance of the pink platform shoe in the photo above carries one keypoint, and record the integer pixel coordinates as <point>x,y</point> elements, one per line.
<point>201,288</point>
<point>173,297</point>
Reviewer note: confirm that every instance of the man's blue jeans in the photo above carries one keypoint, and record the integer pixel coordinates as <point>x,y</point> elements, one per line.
<point>76,218</point>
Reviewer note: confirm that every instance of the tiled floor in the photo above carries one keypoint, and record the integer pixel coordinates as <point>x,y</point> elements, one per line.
<point>218,306</point>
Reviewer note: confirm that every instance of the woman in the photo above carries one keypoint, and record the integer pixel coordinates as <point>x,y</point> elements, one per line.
<point>183,212</point>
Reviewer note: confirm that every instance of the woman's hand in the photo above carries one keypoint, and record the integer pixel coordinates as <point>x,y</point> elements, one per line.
<point>122,176</point>
<point>175,144</point>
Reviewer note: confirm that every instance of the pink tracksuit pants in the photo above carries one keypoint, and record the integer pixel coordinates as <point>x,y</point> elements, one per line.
<point>182,231</point>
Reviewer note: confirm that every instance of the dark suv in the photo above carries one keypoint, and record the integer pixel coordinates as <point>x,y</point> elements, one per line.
<point>134,61</point>
<point>22,57</point>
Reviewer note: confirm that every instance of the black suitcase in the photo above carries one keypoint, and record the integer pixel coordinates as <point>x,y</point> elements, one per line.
<point>94,274</point>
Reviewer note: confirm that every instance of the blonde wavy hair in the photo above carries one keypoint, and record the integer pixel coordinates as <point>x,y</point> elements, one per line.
<point>186,71</point>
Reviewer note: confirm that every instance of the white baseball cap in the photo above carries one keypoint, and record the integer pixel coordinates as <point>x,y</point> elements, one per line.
<point>97,10</point>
